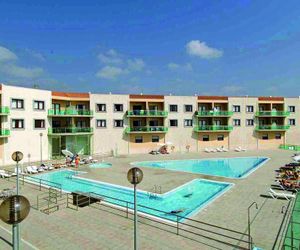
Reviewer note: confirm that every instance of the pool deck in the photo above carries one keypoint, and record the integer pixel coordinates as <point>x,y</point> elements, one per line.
<point>90,228</point>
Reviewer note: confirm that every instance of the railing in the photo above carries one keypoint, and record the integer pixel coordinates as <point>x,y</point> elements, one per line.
<point>4,110</point>
<point>213,128</point>
<point>272,127</point>
<point>289,147</point>
<point>41,182</point>
<point>4,132</point>
<point>146,129</point>
<point>146,113</point>
<point>214,113</point>
<point>70,112</point>
<point>272,113</point>
<point>182,225</point>
<point>71,130</point>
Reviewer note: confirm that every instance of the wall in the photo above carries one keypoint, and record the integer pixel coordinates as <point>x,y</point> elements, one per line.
<point>293,134</point>
<point>26,140</point>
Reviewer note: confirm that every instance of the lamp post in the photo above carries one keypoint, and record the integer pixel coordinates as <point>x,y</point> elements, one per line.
<point>135,176</point>
<point>249,223</point>
<point>41,147</point>
<point>13,210</point>
<point>16,156</point>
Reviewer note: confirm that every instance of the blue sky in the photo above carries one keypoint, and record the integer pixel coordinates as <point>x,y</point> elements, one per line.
<point>160,47</point>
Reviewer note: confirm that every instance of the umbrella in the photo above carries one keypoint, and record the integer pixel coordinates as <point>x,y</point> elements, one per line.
<point>67,153</point>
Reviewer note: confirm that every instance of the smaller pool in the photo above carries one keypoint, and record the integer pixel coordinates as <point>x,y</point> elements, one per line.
<point>100,165</point>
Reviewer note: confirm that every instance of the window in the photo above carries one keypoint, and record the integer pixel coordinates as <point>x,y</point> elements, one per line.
<point>118,107</point>
<point>38,123</point>
<point>173,108</point>
<point>17,103</point>
<point>153,123</point>
<point>220,138</point>
<point>17,123</point>
<point>205,138</point>
<point>249,122</point>
<point>291,109</point>
<point>136,123</point>
<point>265,137</point>
<point>188,123</point>
<point>236,122</point>
<point>138,139</point>
<point>173,123</point>
<point>101,123</point>
<point>292,122</point>
<point>101,107</point>
<point>188,108</point>
<point>236,108</point>
<point>39,105</point>
<point>277,136</point>
<point>249,109</point>
<point>155,138</point>
<point>118,123</point>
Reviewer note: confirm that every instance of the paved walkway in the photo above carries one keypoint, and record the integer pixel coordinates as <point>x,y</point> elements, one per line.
<point>90,228</point>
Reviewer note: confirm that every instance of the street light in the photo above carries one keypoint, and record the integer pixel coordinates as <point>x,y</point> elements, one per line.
<point>249,223</point>
<point>41,147</point>
<point>135,176</point>
<point>16,156</point>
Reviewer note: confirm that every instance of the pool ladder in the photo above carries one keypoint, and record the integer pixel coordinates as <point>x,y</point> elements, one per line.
<point>155,191</point>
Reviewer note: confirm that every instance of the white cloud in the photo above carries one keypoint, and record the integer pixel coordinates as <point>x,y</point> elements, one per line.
<point>7,55</point>
<point>110,57</point>
<point>135,64</point>
<point>175,66</point>
<point>21,72</point>
<point>110,72</point>
<point>198,48</point>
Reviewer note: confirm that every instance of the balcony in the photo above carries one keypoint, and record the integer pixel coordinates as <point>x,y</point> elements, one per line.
<point>272,127</point>
<point>4,110</point>
<point>4,133</point>
<point>214,113</point>
<point>70,112</point>
<point>154,129</point>
<point>272,113</point>
<point>213,128</point>
<point>69,131</point>
<point>147,113</point>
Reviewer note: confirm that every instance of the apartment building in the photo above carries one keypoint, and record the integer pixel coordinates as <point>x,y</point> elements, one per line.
<point>41,123</point>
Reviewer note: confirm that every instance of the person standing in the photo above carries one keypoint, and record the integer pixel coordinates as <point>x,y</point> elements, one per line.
<point>77,160</point>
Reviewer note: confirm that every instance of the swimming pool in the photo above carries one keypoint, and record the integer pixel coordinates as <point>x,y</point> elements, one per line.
<point>100,165</point>
<point>238,167</point>
<point>190,197</point>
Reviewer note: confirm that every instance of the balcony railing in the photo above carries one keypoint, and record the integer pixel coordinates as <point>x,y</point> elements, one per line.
<point>214,113</point>
<point>69,130</point>
<point>70,112</point>
<point>4,132</point>
<point>147,113</point>
<point>272,113</point>
<point>213,128</point>
<point>272,127</point>
<point>152,129</point>
<point>4,110</point>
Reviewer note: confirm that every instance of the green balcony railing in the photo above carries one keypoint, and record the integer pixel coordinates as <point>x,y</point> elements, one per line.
<point>70,112</point>
<point>4,132</point>
<point>146,129</point>
<point>214,113</point>
<point>69,130</point>
<point>213,128</point>
<point>290,147</point>
<point>147,113</point>
<point>272,113</point>
<point>4,110</point>
<point>272,127</point>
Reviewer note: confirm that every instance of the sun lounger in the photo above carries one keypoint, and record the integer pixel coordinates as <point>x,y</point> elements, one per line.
<point>20,171</point>
<point>4,174</point>
<point>238,149</point>
<point>30,170</point>
<point>5,193</point>
<point>219,149</point>
<point>225,150</point>
<point>276,195</point>
<point>213,150</point>
<point>207,150</point>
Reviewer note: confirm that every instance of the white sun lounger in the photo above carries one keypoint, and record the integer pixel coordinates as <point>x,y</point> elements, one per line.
<point>30,170</point>
<point>276,195</point>
<point>3,174</point>
<point>225,150</point>
<point>238,149</point>
<point>207,150</point>
<point>219,149</point>
<point>213,150</point>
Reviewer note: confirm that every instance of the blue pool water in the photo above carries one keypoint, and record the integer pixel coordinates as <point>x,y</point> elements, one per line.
<point>190,197</point>
<point>100,165</point>
<point>225,167</point>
